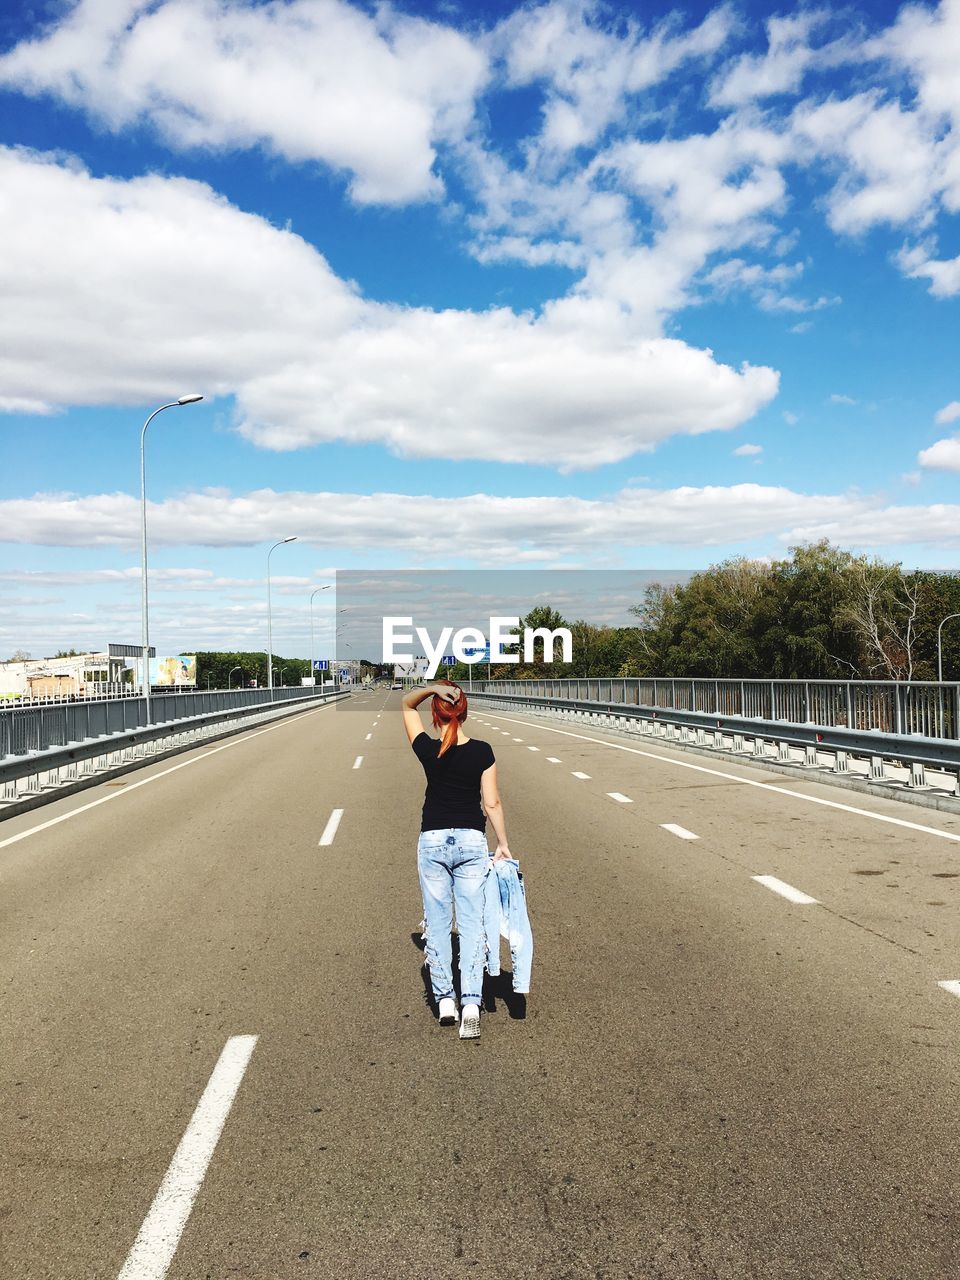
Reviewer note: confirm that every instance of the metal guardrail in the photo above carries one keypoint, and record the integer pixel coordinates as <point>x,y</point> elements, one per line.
<point>914,753</point>
<point>55,766</point>
<point>925,707</point>
<point>25,729</point>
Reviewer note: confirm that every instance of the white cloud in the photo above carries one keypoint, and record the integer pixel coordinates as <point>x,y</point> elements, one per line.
<point>114,287</point>
<point>949,413</point>
<point>307,79</point>
<point>781,69</point>
<point>840,399</point>
<point>747,450</point>
<point>791,419</point>
<point>487,528</point>
<point>944,455</point>
<point>911,478</point>
<point>917,262</point>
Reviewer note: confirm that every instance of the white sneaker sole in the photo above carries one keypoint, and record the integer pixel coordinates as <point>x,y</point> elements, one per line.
<point>470,1029</point>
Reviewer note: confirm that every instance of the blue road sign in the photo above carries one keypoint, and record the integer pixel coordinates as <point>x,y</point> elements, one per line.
<point>344,673</point>
<point>321,664</point>
<point>448,660</point>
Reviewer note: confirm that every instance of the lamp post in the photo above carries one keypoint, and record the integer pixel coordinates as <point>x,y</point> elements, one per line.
<point>939,648</point>
<point>230,676</point>
<point>145,671</point>
<point>281,543</point>
<point>313,646</point>
<point>282,669</point>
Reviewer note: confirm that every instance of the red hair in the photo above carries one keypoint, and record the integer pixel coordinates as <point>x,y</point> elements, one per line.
<point>448,717</point>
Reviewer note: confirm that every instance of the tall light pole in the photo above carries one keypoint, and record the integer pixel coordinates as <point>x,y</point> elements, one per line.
<point>230,676</point>
<point>145,672</point>
<point>313,646</point>
<point>281,543</point>
<point>939,649</point>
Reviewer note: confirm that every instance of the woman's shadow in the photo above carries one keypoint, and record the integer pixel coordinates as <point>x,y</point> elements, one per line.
<point>494,989</point>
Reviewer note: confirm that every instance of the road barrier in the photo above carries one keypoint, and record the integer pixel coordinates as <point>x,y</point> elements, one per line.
<point>926,707</point>
<point>34,776</point>
<point>914,766</point>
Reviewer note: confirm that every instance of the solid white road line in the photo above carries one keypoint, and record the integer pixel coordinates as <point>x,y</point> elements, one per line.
<point>553,760</point>
<point>157,1241</point>
<point>533,748</point>
<point>154,777</point>
<point>620,799</point>
<point>951,985</point>
<point>682,832</point>
<point>330,830</point>
<point>747,782</point>
<point>584,776</point>
<point>785,890</point>
<point>358,762</point>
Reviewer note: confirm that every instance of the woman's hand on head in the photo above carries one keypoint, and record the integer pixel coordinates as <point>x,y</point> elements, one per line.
<point>446,693</point>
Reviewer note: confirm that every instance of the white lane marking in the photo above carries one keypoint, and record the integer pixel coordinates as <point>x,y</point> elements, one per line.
<point>533,748</point>
<point>369,736</point>
<point>330,830</point>
<point>553,760</point>
<point>584,776</point>
<point>682,832</point>
<point>951,985</point>
<point>518,739</point>
<point>747,782</point>
<point>620,799</point>
<point>785,890</point>
<point>158,1238</point>
<point>133,786</point>
<point>504,734</point>
<point>358,762</point>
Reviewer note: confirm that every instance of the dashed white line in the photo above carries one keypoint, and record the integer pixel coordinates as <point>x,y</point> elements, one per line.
<point>682,832</point>
<point>553,760</point>
<point>369,736</point>
<point>330,830</point>
<point>619,797</point>
<point>158,1238</point>
<point>584,776</point>
<point>518,739</point>
<point>951,985</point>
<point>785,890</point>
<point>747,782</point>
<point>533,748</point>
<point>358,762</point>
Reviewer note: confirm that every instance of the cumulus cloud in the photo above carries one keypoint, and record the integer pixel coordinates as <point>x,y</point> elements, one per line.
<point>841,399</point>
<point>780,70</point>
<point>311,80</point>
<point>112,284</point>
<point>478,526</point>
<point>949,413</point>
<point>944,455</point>
<point>747,450</point>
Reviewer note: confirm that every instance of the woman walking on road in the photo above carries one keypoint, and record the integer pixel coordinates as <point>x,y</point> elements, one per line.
<point>452,854</point>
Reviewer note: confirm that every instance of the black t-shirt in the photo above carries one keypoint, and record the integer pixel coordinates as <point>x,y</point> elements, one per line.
<point>453,783</point>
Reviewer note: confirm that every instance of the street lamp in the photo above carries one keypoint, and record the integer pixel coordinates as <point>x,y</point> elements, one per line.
<point>313,646</point>
<point>230,676</point>
<point>145,672</point>
<point>282,669</point>
<point>939,649</point>
<point>281,543</point>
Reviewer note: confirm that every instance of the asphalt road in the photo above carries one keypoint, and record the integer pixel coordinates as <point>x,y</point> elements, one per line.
<point>711,1080</point>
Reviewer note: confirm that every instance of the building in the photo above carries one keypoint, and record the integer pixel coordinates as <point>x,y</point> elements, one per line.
<point>80,675</point>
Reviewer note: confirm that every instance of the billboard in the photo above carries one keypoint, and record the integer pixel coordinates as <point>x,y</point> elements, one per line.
<point>179,672</point>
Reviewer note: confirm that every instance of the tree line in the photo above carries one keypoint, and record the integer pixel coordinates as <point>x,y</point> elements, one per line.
<point>820,613</point>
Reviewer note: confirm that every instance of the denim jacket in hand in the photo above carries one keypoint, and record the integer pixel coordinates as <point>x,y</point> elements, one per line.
<point>505,915</point>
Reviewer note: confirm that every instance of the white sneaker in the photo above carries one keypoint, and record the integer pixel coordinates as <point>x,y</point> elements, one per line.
<point>448,1011</point>
<point>470,1022</point>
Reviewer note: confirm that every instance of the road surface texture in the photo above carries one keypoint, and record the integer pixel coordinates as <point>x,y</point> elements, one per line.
<point>218,1060</point>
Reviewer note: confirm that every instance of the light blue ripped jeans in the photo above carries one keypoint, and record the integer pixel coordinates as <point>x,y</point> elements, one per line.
<point>453,866</point>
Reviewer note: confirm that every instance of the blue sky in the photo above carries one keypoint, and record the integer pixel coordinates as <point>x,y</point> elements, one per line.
<point>555,285</point>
